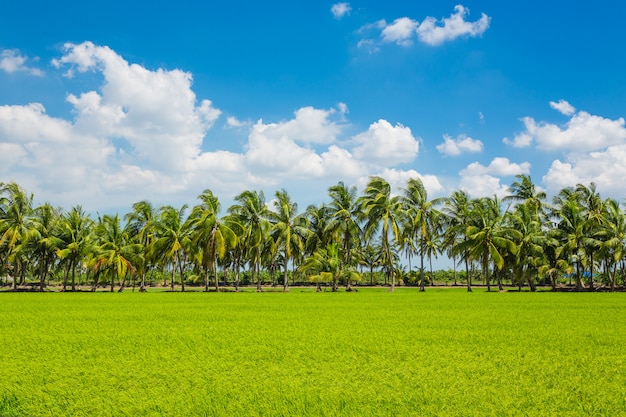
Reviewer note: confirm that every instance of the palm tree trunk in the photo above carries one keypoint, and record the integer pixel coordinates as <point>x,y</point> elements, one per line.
<point>591,271</point>
<point>467,276</point>
<point>181,263</point>
<point>422,272</point>
<point>217,282</point>
<point>285,277</point>
<point>73,262</point>
<point>613,275</point>
<point>432,275</point>
<point>67,273</point>
<point>42,273</point>
<point>206,279</point>
<point>486,272</point>
<point>257,270</point>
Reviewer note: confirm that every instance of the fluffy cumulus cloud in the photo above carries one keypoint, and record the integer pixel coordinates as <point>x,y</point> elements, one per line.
<point>499,166</point>
<point>430,31</point>
<point>400,31</point>
<point>339,10</point>
<point>462,144</point>
<point>434,32</point>
<point>583,132</point>
<point>480,180</point>
<point>142,134</point>
<point>607,168</point>
<point>11,60</point>
<point>384,144</point>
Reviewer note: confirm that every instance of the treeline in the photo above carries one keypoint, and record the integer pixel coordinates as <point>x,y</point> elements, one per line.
<point>354,238</point>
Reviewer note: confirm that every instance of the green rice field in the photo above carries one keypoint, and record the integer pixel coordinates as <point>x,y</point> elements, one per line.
<point>369,353</point>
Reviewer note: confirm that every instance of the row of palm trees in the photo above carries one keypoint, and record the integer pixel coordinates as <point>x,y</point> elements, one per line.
<point>519,239</point>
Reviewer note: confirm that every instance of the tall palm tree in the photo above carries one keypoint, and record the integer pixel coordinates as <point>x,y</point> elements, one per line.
<point>571,234</point>
<point>75,231</point>
<point>613,238</point>
<point>44,239</point>
<point>343,223</point>
<point>590,200</point>
<point>251,212</point>
<point>140,225</point>
<point>212,234</point>
<point>173,240</point>
<point>289,230</point>
<point>381,210</point>
<point>530,243</point>
<point>420,219</point>
<point>116,253</point>
<point>488,238</point>
<point>457,214</point>
<point>15,226</point>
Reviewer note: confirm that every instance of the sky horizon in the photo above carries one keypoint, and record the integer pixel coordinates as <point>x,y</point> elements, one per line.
<point>107,105</point>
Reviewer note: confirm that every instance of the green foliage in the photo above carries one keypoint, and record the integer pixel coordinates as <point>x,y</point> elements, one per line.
<point>369,353</point>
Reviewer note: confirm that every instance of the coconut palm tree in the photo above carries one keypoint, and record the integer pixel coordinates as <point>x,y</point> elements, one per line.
<point>140,225</point>
<point>613,238</point>
<point>115,253</point>
<point>172,241</point>
<point>343,222</point>
<point>381,210</point>
<point>212,234</point>
<point>593,205</point>
<point>251,213</point>
<point>571,230</point>
<point>15,226</point>
<point>457,216</point>
<point>530,245</point>
<point>420,218</point>
<point>75,232</point>
<point>488,237</point>
<point>289,230</point>
<point>44,239</point>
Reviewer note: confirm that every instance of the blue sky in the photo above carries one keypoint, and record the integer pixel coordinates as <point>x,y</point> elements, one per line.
<point>107,103</point>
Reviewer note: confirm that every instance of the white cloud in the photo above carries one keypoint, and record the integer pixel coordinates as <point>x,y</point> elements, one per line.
<point>483,186</point>
<point>498,166</point>
<point>11,60</point>
<point>583,132</point>
<point>232,121</point>
<point>385,144</point>
<point>400,31</point>
<point>339,10</point>
<point>452,147</point>
<point>310,125</point>
<point>563,106</point>
<point>156,112</point>
<point>433,32</point>
<point>606,168</point>
<point>480,181</point>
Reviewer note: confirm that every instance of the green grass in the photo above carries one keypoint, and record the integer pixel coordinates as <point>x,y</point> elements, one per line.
<point>443,352</point>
